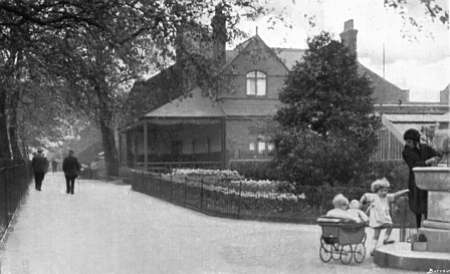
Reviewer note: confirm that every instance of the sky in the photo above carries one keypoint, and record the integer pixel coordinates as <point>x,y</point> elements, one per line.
<point>418,60</point>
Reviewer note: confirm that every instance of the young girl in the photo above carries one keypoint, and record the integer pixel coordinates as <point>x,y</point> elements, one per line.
<point>379,216</point>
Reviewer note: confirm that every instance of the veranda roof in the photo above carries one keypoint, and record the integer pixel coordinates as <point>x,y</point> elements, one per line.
<point>399,123</point>
<point>193,105</point>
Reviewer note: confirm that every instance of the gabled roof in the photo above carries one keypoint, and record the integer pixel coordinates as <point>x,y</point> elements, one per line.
<point>383,87</point>
<point>193,105</point>
<point>242,47</point>
<point>198,105</point>
<point>399,123</point>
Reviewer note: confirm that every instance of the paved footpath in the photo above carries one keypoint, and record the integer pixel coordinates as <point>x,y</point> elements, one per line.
<point>108,228</point>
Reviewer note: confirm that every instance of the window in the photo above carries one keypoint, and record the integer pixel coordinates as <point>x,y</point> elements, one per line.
<point>261,146</point>
<point>256,83</point>
<point>270,147</point>
<point>252,146</point>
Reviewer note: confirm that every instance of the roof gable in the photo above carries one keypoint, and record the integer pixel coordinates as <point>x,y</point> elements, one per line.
<point>249,46</point>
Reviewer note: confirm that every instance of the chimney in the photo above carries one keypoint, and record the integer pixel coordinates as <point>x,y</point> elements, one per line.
<point>348,36</point>
<point>219,36</point>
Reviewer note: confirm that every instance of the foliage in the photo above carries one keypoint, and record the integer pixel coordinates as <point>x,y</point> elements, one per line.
<point>327,127</point>
<point>258,170</point>
<point>434,9</point>
<point>97,48</point>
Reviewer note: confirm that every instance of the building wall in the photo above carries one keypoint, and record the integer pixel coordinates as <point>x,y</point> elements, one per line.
<point>241,132</point>
<point>444,96</point>
<point>256,56</point>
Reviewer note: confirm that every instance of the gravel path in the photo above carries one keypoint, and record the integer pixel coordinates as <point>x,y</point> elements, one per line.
<point>108,228</point>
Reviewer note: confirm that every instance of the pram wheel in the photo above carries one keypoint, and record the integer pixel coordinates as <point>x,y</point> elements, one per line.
<point>346,254</point>
<point>325,251</point>
<point>359,253</point>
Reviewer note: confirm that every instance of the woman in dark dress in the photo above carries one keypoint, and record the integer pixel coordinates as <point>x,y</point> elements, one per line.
<point>416,154</point>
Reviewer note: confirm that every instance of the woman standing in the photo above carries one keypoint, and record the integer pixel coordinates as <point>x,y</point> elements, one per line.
<point>416,154</point>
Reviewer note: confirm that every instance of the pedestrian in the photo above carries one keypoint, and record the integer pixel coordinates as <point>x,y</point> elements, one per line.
<point>40,166</point>
<point>417,154</point>
<point>379,210</point>
<point>71,168</point>
<point>54,165</point>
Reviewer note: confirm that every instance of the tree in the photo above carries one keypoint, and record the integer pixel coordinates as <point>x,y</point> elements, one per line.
<point>98,46</point>
<point>327,125</point>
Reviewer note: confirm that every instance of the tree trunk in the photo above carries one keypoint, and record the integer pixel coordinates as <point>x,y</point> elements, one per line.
<point>109,147</point>
<point>5,152</point>
<point>13,133</point>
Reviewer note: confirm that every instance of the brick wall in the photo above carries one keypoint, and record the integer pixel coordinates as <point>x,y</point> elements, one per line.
<point>241,132</point>
<point>256,56</point>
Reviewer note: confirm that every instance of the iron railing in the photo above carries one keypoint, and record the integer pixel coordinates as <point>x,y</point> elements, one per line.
<point>14,180</point>
<point>232,202</point>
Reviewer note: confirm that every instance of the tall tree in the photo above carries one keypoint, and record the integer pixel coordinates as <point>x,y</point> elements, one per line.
<point>108,41</point>
<point>327,122</point>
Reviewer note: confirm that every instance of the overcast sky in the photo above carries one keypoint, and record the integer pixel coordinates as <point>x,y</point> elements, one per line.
<point>421,65</point>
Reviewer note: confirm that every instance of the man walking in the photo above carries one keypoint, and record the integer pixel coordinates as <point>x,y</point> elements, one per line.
<point>40,166</point>
<point>71,168</point>
<point>54,165</point>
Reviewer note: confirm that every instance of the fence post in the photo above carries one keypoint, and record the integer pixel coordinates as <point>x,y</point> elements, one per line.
<point>403,225</point>
<point>171,186</point>
<point>185,190</point>
<point>7,198</point>
<point>201,194</point>
<point>239,200</point>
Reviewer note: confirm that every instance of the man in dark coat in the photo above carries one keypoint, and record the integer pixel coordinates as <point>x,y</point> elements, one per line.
<point>71,168</point>
<point>54,165</point>
<point>40,166</point>
<point>416,154</point>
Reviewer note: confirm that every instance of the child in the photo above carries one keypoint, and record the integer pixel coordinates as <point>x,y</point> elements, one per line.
<point>340,203</point>
<point>355,210</point>
<point>379,216</point>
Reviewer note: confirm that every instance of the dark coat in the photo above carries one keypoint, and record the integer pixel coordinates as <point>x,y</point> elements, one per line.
<point>39,164</point>
<point>71,166</point>
<point>416,157</point>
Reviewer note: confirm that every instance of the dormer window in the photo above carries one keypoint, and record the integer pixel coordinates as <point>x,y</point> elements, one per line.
<point>256,83</point>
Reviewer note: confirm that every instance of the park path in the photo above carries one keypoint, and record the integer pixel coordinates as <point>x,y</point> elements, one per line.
<point>108,228</point>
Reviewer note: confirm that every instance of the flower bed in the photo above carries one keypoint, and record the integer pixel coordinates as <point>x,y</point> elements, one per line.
<point>230,182</point>
<point>250,199</point>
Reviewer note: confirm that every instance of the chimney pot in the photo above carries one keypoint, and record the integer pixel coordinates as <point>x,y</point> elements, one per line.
<point>348,36</point>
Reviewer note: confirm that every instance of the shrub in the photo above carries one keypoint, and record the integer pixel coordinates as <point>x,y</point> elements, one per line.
<point>257,170</point>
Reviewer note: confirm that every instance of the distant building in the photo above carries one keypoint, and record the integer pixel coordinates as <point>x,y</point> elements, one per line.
<point>198,130</point>
<point>445,95</point>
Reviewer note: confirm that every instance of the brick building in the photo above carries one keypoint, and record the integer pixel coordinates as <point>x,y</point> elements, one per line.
<point>200,130</point>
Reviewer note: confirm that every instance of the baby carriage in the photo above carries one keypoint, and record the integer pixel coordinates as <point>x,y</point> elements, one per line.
<point>342,240</point>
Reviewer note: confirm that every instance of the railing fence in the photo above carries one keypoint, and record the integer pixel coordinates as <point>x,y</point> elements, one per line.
<point>233,202</point>
<point>14,180</point>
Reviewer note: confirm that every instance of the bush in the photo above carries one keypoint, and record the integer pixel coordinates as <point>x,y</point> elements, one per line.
<point>257,170</point>
<point>397,173</point>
